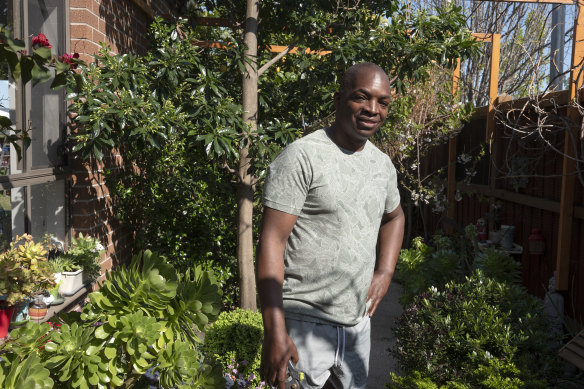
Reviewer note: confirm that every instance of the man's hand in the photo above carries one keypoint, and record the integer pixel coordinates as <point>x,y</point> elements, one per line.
<point>378,289</point>
<point>277,350</point>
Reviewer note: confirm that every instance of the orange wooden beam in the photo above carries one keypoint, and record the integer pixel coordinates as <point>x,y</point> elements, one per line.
<point>535,1</point>
<point>213,22</point>
<point>273,49</point>
<point>452,146</point>
<point>483,36</point>
<point>493,85</point>
<point>569,165</point>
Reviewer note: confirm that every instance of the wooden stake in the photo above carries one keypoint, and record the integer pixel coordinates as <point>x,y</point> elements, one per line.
<point>452,144</point>
<point>569,165</point>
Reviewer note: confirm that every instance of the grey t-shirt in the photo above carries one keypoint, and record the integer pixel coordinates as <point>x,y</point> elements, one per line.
<point>339,197</point>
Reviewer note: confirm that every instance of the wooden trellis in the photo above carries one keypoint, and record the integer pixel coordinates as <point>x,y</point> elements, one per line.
<point>570,148</point>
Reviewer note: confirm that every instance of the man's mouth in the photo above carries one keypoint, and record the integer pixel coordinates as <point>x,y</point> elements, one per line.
<point>366,122</point>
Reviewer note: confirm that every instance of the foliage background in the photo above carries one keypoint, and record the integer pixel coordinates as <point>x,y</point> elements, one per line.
<point>175,112</point>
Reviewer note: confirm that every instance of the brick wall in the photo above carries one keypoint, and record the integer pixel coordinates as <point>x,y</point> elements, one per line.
<point>121,24</point>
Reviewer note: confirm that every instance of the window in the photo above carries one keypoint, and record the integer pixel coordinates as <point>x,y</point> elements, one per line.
<point>33,189</point>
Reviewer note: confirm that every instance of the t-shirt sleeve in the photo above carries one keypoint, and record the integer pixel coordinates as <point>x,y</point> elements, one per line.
<point>393,199</point>
<point>287,181</point>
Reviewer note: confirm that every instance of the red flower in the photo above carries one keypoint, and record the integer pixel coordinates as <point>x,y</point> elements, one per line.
<point>41,41</point>
<point>70,59</point>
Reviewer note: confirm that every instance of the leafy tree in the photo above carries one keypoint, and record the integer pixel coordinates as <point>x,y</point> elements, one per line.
<point>196,97</point>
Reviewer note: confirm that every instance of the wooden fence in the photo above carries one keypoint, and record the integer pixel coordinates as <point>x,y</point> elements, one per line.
<point>528,196</point>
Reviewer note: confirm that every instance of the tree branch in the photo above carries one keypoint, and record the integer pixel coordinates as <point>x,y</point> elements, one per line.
<point>275,59</point>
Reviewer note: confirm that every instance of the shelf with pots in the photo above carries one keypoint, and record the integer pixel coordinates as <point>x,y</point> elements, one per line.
<point>24,272</point>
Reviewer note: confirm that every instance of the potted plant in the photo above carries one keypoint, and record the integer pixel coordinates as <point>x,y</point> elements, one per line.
<point>80,264</point>
<point>24,271</point>
<point>64,270</point>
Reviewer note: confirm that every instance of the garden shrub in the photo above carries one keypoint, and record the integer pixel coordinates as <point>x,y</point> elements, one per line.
<point>236,338</point>
<point>451,258</point>
<point>480,333</point>
<point>498,265</point>
<point>423,266</point>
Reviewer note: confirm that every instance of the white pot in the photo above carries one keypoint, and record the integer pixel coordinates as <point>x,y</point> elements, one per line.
<point>72,282</point>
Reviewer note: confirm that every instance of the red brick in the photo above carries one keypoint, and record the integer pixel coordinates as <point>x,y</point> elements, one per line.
<point>92,205</point>
<point>84,46</point>
<point>88,178</point>
<point>106,265</point>
<point>81,31</point>
<point>89,192</point>
<point>98,36</point>
<point>80,3</point>
<point>84,16</point>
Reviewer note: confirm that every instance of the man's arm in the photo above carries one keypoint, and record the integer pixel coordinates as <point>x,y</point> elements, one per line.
<point>278,348</point>
<point>389,241</point>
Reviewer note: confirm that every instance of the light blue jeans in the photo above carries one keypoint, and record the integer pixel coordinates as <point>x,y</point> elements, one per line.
<point>328,351</point>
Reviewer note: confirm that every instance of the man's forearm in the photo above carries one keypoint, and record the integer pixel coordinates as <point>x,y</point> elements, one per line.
<point>270,278</point>
<point>391,234</point>
<point>276,227</point>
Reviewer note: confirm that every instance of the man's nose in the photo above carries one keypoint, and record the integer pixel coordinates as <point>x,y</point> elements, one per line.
<point>372,107</point>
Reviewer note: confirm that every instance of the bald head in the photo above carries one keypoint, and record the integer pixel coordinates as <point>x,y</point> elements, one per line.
<point>348,79</point>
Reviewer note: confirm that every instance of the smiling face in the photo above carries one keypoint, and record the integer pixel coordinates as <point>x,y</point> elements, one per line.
<point>361,108</point>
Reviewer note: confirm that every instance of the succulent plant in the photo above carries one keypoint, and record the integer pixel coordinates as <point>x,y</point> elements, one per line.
<point>24,270</point>
<point>143,317</point>
<point>76,354</point>
<point>28,373</point>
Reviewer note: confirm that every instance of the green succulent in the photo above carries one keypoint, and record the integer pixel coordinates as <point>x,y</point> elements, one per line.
<point>136,334</point>
<point>178,364</point>
<point>61,264</point>
<point>149,284</point>
<point>198,301</point>
<point>143,316</point>
<point>154,287</point>
<point>29,373</point>
<point>78,358</point>
<point>24,270</point>
<point>27,339</point>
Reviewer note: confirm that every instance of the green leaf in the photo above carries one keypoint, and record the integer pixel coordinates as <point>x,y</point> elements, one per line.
<point>98,154</point>
<point>39,74</point>
<point>50,347</point>
<point>15,44</point>
<point>100,333</point>
<point>5,122</point>
<point>43,52</point>
<point>110,352</point>
<point>60,81</point>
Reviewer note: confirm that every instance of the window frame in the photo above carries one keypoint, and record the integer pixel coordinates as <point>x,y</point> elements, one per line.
<point>34,176</point>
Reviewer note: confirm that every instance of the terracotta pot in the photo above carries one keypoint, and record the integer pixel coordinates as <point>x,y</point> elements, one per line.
<point>5,316</point>
<point>37,310</point>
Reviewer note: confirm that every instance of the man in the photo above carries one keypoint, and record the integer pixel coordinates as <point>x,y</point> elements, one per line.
<point>331,234</point>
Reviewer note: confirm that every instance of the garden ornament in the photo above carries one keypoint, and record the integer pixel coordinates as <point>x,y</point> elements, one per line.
<point>481,230</point>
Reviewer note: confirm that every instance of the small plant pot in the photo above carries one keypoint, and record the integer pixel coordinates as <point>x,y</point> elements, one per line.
<point>71,282</point>
<point>5,315</point>
<point>37,310</point>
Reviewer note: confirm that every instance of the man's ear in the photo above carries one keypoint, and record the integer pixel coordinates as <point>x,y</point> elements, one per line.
<point>336,99</point>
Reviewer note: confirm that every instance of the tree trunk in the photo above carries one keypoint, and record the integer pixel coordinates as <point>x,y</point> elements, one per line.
<point>247,285</point>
